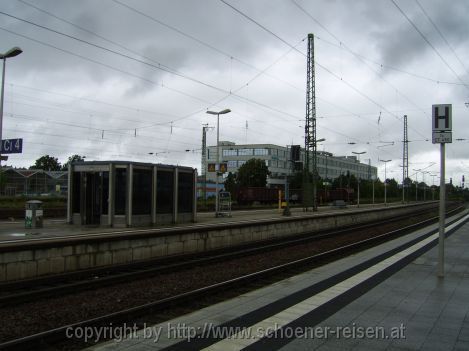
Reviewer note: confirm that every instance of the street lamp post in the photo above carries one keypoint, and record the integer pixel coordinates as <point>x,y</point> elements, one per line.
<point>424,186</point>
<point>358,178</point>
<point>10,53</point>
<point>327,179</point>
<point>217,166</point>
<point>385,181</point>
<point>372,178</point>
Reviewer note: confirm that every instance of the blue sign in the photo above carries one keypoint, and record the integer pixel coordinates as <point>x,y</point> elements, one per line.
<point>11,146</point>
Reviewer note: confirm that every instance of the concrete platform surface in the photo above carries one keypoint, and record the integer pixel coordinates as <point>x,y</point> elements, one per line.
<point>424,311</point>
<point>384,298</point>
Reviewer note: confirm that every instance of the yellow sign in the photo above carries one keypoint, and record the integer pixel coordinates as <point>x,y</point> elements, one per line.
<point>212,167</point>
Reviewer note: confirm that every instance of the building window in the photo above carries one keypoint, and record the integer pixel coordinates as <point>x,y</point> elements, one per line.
<point>240,163</point>
<point>273,163</point>
<point>230,152</point>
<point>261,152</point>
<point>245,152</point>
<point>267,163</point>
<point>232,164</point>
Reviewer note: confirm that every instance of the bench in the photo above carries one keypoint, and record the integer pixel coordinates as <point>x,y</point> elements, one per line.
<point>339,203</point>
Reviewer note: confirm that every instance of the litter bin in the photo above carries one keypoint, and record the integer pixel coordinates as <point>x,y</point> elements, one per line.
<point>34,214</point>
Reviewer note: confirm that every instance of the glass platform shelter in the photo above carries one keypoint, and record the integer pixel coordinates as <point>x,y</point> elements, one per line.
<point>128,194</point>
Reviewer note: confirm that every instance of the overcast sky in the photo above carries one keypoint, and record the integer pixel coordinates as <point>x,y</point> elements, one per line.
<point>118,79</point>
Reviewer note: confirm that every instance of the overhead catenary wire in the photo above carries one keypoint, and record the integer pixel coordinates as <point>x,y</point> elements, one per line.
<point>344,45</point>
<point>430,44</point>
<point>278,111</point>
<point>102,130</point>
<point>316,62</point>
<point>442,36</point>
<point>143,62</point>
<point>114,68</point>
<point>358,91</point>
<point>190,78</point>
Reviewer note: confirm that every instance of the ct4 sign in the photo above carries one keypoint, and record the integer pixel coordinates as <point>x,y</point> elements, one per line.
<point>11,146</point>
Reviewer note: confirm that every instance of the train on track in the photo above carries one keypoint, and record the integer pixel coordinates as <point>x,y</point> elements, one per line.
<point>250,195</point>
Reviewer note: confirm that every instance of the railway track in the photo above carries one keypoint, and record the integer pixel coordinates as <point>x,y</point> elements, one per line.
<point>51,336</point>
<point>32,289</point>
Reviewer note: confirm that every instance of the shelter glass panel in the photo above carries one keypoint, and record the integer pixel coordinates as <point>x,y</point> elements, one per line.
<point>105,195</point>
<point>121,187</point>
<point>185,192</point>
<point>76,192</point>
<point>164,192</point>
<point>141,193</point>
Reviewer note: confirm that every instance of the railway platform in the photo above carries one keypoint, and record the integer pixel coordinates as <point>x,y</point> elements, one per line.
<point>62,248</point>
<point>385,298</point>
<point>15,229</point>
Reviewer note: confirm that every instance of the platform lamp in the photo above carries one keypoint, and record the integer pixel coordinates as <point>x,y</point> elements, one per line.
<point>385,181</point>
<point>10,53</point>
<point>358,178</point>
<point>417,183</point>
<point>217,167</point>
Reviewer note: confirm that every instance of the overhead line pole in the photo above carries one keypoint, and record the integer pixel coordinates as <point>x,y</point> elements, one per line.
<point>405,158</point>
<point>310,131</point>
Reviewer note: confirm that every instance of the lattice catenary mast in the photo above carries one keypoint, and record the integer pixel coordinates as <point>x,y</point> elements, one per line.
<point>310,131</point>
<point>405,158</point>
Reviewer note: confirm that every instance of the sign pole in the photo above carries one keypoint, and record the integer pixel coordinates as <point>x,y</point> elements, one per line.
<point>442,134</point>
<point>441,238</point>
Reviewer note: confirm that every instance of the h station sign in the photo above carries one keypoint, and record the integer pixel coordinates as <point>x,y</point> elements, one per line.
<point>441,134</point>
<point>442,124</point>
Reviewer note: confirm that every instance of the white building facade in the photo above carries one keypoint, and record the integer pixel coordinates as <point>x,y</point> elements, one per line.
<point>277,159</point>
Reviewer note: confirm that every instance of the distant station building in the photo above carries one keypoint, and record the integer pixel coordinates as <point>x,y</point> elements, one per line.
<point>125,194</point>
<point>278,160</point>
<point>32,182</point>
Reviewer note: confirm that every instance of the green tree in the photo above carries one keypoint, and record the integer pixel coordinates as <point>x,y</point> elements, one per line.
<point>73,158</point>
<point>230,183</point>
<point>47,163</point>
<point>253,173</point>
<point>392,188</point>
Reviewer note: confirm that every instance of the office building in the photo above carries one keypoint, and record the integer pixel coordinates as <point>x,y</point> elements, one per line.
<point>277,159</point>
